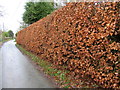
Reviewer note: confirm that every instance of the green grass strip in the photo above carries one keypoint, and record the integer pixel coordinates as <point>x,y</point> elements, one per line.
<point>59,75</point>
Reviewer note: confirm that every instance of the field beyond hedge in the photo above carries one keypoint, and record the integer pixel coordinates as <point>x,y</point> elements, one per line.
<point>84,37</point>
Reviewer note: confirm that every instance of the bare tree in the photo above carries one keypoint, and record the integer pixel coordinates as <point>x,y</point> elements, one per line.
<point>1,12</point>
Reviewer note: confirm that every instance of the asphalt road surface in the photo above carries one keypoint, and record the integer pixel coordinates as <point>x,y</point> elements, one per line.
<point>17,71</point>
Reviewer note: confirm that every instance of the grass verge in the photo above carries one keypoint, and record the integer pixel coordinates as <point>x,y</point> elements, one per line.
<point>6,40</point>
<point>62,77</point>
<point>3,41</point>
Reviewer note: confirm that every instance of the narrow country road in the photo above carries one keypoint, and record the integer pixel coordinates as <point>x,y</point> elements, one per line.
<point>18,72</point>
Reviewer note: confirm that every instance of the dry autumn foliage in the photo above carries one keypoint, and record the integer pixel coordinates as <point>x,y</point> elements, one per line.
<point>83,36</point>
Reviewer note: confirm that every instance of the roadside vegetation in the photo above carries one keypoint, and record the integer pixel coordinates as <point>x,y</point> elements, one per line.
<point>93,69</point>
<point>36,10</point>
<point>6,36</point>
<point>61,76</point>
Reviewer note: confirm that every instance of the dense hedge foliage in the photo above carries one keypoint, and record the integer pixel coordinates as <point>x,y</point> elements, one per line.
<point>82,36</point>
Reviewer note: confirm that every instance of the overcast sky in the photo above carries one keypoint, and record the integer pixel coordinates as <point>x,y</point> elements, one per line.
<point>13,10</point>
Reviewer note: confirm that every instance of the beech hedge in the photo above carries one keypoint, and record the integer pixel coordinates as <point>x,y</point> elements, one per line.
<point>84,36</point>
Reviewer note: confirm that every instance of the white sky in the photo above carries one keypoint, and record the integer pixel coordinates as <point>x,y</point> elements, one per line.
<point>13,11</point>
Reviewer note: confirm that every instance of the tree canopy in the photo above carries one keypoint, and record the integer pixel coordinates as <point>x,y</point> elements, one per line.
<point>10,33</point>
<point>36,10</point>
<point>5,34</point>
